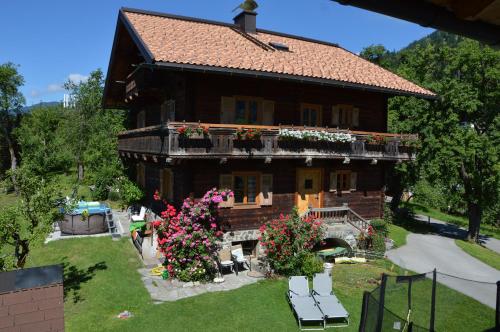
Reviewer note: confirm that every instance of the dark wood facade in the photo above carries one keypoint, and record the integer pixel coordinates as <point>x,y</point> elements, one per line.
<point>194,169</point>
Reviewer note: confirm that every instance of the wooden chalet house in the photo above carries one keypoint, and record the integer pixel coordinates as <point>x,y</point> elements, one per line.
<point>281,120</point>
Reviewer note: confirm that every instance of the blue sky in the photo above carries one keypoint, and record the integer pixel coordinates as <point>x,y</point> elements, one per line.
<point>57,40</point>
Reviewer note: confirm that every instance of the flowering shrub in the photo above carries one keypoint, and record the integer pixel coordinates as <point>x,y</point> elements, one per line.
<point>248,134</point>
<point>315,135</point>
<point>189,238</point>
<point>289,240</point>
<point>188,132</point>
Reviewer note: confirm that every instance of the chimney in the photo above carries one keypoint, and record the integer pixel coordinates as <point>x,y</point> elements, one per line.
<point>247,21</point>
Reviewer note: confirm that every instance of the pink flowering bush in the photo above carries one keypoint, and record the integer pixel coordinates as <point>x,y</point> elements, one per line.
<point>189,238</point>
<point>289,240</point>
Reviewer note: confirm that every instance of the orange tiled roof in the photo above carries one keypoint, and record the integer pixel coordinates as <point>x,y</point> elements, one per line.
<point>195,42</point>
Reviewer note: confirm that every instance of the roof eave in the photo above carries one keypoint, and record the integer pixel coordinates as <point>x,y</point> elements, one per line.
<point>285,77</point>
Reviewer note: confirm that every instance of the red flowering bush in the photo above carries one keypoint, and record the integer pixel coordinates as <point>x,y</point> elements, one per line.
<point>188,132</point>
<point>248,134</point>
<point>289,240</point>
<point>189,238</point>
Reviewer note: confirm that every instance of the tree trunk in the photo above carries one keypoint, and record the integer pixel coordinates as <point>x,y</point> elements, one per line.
<point>13,159</point>
<point>81,171</point>
<point>474,213</point>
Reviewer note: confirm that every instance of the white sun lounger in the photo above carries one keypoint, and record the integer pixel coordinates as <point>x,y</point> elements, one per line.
<point>334,312</point>
<point>303,304</point>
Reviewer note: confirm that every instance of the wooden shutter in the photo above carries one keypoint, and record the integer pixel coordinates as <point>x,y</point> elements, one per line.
<point>355,117</point>
<point>226,182</point>
<point>335,115</point>
<point>141,119</point>
<point>227,110</point>
<point>354,180</point>
<point>266,194</point>
<point>166,184</point>
<point>268,112</point>
<point>141,175</point>
<point>333,181</point>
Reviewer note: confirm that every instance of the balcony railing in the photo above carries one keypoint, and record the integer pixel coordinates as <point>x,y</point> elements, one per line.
<point>202,140</point>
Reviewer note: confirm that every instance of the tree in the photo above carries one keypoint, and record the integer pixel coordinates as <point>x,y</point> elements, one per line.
<point>42,142</point>
<point>28,221</point>
<point>460,131</point>
<point>92,132</point>
<point>11,102</point>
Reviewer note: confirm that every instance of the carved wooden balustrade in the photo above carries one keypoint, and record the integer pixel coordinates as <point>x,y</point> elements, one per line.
<point>221,141</point>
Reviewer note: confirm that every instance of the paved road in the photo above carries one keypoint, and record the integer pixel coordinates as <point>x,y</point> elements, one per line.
<point>424,252</point>
<point>451,230</point>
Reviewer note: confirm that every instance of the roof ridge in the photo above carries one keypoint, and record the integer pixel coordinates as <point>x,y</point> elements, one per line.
<point>229,25</point>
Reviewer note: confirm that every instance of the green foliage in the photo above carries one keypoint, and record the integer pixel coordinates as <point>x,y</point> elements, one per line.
<point>380,226</point>
<point>42,141</point>
<point>27,222</point>
<point>311,265</point>
<point>378,243</point>
<point>92,134</point>
<point>459,131</point>
<point>130,193</point>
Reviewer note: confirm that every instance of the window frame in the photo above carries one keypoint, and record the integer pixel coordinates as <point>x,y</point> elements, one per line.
<point>319,110</point>
<point>247,100</point>
<point>245,202</point>
<point>340,174</point>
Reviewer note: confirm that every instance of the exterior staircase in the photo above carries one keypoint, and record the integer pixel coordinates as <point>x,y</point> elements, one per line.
<point>341,223</point>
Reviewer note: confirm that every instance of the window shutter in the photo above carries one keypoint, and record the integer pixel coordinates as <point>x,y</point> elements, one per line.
<point>335,115</point>
<point>225,183</point>
<point>355,117</point>
<point>141,175</point>
<point>354,180</point>
<point>166,184</point>
<point>266,185</point>
<point>141,119</point>
<point>227,110</point>
<point>268,112</point>
<point>333,181</point>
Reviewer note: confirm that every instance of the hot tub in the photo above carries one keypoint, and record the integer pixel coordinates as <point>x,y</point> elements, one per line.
<point>94,223</point>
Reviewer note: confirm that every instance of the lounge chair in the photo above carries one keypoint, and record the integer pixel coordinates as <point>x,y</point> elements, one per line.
<point>238,257</point>
<point>139,217</point>
<point>334,312</point>
<point>225,260</point>
<point>303,304</point>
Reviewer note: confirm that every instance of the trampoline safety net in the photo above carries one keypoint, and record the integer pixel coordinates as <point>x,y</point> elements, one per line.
<point>424,302</point>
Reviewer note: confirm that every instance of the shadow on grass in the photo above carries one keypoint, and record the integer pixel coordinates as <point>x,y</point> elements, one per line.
<point>74,277</point>
<point>406,218</point>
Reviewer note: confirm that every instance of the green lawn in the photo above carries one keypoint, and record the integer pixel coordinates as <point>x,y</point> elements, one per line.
<point>102,280</point>
<point>483,254</point>
<point>461,221</point>
<point>398,234</point>
<point>7,199</point>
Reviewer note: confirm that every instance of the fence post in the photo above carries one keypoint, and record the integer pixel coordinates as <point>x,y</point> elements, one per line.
<point>497,314</point>
<point>364,311</point>
<point>433,301</point>
<point>381,299</point>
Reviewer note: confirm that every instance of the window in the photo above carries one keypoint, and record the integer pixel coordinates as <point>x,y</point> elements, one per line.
<point>345,116</point>
<point>245,188</point>
<point>311,115</point>
<point>343,180</point>
<point>246,111</point>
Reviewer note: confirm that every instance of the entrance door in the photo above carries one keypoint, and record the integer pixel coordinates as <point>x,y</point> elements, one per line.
<point>308,188</point>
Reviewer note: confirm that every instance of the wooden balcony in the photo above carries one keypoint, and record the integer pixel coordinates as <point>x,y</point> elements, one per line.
<point>202,140</point>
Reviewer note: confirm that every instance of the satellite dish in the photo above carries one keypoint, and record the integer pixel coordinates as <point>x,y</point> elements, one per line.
<point>247,5</point>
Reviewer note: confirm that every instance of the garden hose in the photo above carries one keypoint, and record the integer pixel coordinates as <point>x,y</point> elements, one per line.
<point>157,271</point>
